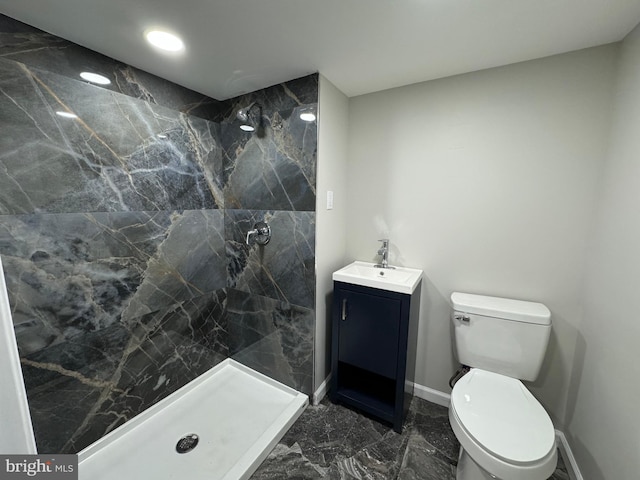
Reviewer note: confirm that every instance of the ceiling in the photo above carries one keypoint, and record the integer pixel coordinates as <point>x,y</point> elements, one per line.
<point>361,46</point>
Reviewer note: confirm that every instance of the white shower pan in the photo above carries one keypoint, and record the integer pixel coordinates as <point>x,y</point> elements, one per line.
<point>238,414</point>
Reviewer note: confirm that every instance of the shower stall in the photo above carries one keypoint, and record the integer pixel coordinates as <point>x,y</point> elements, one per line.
<point>123,227</point>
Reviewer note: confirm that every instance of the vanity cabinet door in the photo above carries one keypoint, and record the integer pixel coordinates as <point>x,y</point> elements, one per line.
<point>369,330</point>
<point>374,335</point>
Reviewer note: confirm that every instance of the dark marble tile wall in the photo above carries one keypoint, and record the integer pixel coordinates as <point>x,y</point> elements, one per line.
<point>111,233</point>
<point>82,389</point>
<point>110,315</point>
<point>120,154</point>
<point>30,46</point>
<point>127,278</point>
<point>278,169</point>
<point>273,337</point>
<point>271,176</point>
<point>284,269</point>
<point>73,273</point>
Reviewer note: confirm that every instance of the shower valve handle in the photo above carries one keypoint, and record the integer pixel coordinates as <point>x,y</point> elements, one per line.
<point>262,233</point>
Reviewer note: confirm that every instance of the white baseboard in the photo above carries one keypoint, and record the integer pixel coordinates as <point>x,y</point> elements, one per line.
<point>431,395</point>
<point>320,393</point>
<point>567,455</point>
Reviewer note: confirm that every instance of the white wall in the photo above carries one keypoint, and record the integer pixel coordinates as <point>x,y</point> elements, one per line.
<point>331,226</point>
<point>487,182</point>
<point>602,415</point>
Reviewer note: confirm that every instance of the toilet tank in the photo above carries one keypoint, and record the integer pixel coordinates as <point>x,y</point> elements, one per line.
<point>500,335</point>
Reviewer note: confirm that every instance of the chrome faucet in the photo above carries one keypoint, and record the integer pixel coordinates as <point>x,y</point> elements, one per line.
<point>384,251</point>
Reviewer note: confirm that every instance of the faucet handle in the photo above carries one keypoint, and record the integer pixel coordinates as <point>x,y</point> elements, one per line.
<point>385,242</point>
<point>250,233</point>
<point>262,232</point>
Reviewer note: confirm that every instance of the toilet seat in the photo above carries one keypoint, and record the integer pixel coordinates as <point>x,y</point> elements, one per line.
<point>502,426</point>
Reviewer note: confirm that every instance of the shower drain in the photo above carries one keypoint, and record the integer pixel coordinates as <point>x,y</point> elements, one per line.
<point>187,443</point>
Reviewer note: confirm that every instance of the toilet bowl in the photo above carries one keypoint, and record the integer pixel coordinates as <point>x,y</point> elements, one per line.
<point>503,430</point>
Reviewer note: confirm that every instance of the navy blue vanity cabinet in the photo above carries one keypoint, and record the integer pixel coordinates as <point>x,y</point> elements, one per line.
<point>374,335</point>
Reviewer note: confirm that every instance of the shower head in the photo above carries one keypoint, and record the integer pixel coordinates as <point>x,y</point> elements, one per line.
<point>248,124</point>
<point>243,113</point>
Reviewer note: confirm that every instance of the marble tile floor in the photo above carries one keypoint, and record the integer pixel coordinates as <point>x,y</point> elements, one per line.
<point>334,442</point>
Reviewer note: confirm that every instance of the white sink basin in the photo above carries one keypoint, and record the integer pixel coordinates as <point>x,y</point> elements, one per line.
<point>398,279</point>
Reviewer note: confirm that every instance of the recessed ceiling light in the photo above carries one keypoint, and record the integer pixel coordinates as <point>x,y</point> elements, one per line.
<point>165,40</point>
<point>95,78</point>
<point>66,114</point>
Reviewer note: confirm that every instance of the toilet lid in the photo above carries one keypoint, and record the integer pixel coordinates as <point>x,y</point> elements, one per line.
<point>503,416</point>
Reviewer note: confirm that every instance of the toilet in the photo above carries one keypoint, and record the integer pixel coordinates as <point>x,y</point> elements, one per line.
<point>503,430</point>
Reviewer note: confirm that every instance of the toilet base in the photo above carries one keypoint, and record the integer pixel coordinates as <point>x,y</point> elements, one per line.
<point>470,470</point>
